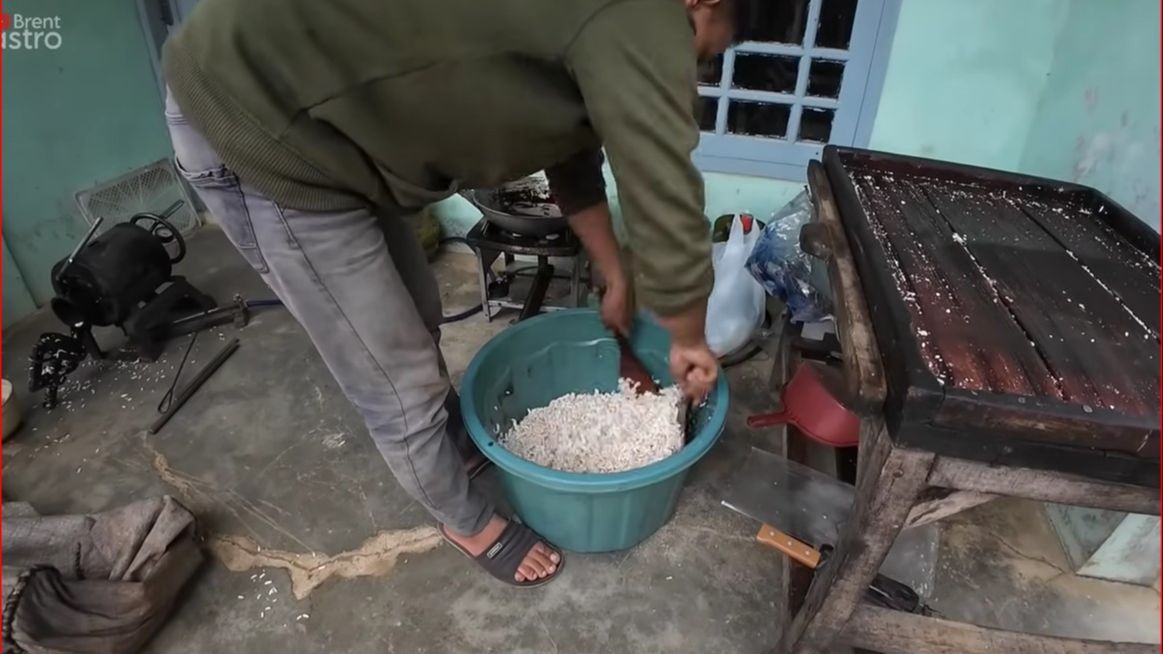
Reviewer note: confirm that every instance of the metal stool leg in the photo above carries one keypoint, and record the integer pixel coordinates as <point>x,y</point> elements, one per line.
<point>484,261</point>
<point>575,290</point>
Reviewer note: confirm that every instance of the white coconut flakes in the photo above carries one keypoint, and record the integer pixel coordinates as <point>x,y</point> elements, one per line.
<point>600,432</point>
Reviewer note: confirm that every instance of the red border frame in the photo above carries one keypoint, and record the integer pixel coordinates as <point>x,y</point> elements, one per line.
<point>4,22</point>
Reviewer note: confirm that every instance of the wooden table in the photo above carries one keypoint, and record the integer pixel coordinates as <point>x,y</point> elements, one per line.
<point>903,486</point>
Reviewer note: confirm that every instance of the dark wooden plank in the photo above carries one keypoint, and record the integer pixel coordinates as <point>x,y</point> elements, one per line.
<point>967,339</point>
<point>913,392</point>
<point>1089,343</point>
<point>1043,485</point>
<point>1128,273</point>
<point>890,479</point>
<point>1050,421</point>
<point>862,364</point>
<point>905,262</point>
<point>1017,449</point>
<point>896,632</point>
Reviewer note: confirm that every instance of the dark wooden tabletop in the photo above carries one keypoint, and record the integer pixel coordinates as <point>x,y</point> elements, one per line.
<point>1020,308</point>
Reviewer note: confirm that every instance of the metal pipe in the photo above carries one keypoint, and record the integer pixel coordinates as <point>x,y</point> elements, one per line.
<point>80,246</point>
<point>172,209</point>
<point>189,389</point>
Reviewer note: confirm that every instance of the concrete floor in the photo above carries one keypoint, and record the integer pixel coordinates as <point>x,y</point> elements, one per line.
<point>292,496</point>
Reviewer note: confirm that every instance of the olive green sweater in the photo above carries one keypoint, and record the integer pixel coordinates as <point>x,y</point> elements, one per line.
<point>335,104</point>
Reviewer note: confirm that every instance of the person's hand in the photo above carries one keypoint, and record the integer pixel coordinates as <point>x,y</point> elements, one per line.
<point>617,311</point>
<point>694,368</point>
<point>692,364</point>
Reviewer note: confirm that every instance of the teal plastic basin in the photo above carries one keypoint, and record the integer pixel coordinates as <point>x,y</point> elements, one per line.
<point>543,358</point>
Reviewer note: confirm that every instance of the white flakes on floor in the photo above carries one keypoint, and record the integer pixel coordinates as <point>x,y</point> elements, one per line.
<point>334,440</point>
<point>600,432</point>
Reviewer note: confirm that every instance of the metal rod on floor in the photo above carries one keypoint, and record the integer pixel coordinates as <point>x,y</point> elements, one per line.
<point>189,389</point>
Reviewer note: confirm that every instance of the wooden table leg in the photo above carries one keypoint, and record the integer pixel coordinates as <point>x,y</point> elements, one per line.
<point>889,482</point>
<point>896,632</point>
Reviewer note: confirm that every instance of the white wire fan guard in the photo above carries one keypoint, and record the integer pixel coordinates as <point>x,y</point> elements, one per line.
<point>153,189</point>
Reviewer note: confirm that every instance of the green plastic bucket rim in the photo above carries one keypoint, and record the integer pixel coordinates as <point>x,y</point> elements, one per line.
<point>585,482</point>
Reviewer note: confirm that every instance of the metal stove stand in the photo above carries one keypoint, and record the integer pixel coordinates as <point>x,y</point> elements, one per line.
<point>489,242</point>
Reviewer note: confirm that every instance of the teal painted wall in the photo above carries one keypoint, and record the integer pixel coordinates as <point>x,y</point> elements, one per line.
<point>18,301</point>
<point>75,116</point>
<point>964,78</point>
<point>1098,119</point>
<point>1098,124</point>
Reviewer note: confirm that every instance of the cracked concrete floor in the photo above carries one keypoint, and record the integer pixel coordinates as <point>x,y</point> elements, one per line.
<point>314,548</point>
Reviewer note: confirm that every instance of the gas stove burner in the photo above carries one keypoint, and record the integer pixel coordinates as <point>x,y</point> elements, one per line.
<point>557,244</point>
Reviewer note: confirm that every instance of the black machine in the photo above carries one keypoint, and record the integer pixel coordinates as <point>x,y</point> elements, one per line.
<point>124,278</point>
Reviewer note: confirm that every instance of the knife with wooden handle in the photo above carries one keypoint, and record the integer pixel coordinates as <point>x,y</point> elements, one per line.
<point>883,591</point>
<point>798,550</point>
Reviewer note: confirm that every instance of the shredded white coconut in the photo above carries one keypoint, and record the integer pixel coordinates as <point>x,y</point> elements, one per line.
<point>600,432</point>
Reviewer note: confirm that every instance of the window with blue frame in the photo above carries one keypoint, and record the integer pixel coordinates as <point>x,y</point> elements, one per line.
<point>806,73</point>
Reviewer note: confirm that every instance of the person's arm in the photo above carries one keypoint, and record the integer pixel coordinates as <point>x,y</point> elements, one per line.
<point>595,229</point>
<point>634,63</point>
<point>580,191</point>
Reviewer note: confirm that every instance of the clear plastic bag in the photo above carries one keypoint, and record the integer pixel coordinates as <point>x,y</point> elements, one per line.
<point>783,269</point>
<point>735,308</point>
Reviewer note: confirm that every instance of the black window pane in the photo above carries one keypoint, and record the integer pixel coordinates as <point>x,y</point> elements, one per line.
<point>711,71</point>
<point>758,119</point>
<point>781,21</point>
<point>816,125</point>
<point>835,29</point>
<point>824,78</point>
<point>765,72</point>
<point>708,109</point>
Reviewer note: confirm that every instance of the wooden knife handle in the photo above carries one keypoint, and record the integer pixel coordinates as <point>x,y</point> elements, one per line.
<point>800,552</point>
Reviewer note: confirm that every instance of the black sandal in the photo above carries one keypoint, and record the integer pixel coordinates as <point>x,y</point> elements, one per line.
<point>504,556</point>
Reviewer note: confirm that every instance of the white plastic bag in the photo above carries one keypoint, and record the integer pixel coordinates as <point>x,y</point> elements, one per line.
<point>735,308</point>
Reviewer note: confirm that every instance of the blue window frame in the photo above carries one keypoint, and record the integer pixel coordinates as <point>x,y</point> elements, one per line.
<point>809,73</point>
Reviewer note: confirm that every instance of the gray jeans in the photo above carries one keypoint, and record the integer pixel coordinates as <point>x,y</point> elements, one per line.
<point>360,286</point>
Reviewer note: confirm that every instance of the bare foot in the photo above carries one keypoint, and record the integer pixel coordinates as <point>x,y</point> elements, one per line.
<point>539,562</point>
